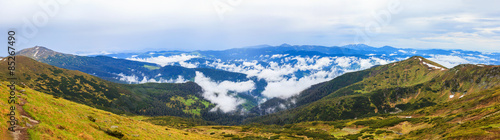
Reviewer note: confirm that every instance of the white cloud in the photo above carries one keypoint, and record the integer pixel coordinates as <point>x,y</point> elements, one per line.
<point>279,55</point>
<point>180,79</point>
<point>293,86</point>
<point>433,66</point>
<point>279,74</point>
<point>129,79</point>
<point>365,63</point>
<point>86,24</point>
<point>163,61</point>
<point>188,65</point>
<point>281,78</point>
<point>217,92</point>
<point>133,79</point>
<point>448,61</point>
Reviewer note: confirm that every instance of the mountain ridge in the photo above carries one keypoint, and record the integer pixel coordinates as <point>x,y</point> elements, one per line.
<point>117,98</point>
<point>59,118</point>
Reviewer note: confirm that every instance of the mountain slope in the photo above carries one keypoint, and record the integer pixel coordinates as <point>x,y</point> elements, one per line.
<point>410,72</point>
<point>404,73</point>
<point>62,119</point>
<point>399,74</point>
<point>289,69</point>
<point>406,85</point>
<point>118,98</point>
<point>475,116</point>
<point>120,70</point>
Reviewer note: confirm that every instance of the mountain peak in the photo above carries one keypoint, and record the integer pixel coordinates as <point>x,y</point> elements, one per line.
<point>430,64</point>
<point>37,52</point>
<point>285,45</point>
<point>387,47</point>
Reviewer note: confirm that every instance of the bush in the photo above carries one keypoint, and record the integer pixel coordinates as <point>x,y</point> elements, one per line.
<point>337,124</point>
<point>353,136</point>
<point>381,123</point>
<point>254,138</point>
<point>275,137</point>
<point>315,123</point>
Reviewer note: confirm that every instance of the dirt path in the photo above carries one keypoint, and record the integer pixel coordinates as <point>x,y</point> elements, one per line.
<point>21,133</point>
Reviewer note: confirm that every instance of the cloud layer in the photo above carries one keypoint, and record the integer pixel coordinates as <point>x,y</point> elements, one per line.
<point>196,25</point>
<point>163,61</point>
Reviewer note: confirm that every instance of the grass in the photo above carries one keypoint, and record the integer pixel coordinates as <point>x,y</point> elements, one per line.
<point>475,116</point>
<point>63,119</point>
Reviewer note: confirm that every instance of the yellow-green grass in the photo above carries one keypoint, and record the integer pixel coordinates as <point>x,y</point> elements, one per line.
<point>63,119</point>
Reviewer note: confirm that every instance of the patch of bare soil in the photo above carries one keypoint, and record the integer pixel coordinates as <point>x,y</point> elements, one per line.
<point>21,133</point>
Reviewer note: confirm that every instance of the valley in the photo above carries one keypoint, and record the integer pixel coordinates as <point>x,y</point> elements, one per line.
<point>411,98</point>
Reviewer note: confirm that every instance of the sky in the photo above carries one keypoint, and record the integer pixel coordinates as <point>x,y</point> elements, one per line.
<point>93,26</point>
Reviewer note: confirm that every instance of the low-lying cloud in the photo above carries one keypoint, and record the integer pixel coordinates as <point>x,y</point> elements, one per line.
<point>281,73</point>
<point>286,75</point>
<point>448,61</point>
<point>293,86</point>
<point>133,79</point>
<point>218,92</point>
<point>163,61</point>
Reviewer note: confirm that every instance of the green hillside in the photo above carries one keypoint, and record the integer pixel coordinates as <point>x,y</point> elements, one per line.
<point>142,99</point>
<point>404,73</point>
<point>46,117</point>
<point>475,116</point>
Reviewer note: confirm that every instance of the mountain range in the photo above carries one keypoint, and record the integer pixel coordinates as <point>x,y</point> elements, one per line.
<point>144,99</point>
<point>251,76</point>
<point>273,92</point>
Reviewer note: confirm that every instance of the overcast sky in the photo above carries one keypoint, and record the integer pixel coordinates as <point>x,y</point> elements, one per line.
<point>116,25</point>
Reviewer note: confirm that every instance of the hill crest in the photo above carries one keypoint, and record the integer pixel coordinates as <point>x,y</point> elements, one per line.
<point>38,52</point>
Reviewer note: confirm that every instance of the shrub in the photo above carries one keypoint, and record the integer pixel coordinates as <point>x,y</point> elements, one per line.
<point>368,137</point>
<point>275,137</point>
<point>92,119</point>
<point>228,135</point>
<point>353,136</point>
<point>114,133</point>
